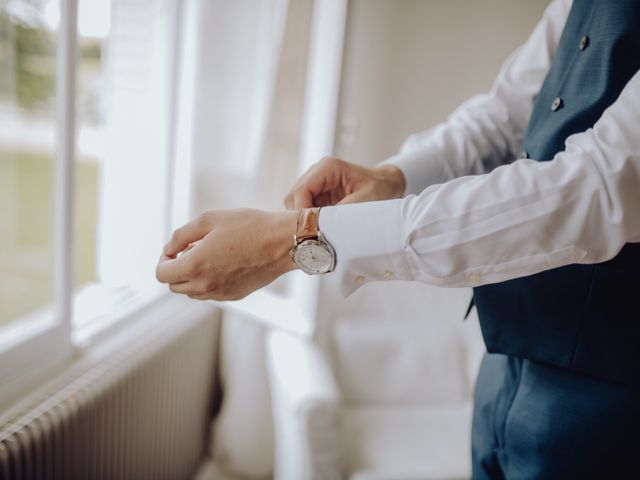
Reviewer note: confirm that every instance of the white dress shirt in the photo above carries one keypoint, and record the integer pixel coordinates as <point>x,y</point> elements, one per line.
<point>459,226</point>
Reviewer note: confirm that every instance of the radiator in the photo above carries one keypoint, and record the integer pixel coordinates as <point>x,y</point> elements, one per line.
<point>137,408</point>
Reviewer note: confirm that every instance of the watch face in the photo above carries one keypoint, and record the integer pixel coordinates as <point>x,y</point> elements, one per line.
<point>313,257</point>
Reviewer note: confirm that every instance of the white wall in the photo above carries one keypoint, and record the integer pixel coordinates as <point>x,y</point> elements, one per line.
<point>409,63</point>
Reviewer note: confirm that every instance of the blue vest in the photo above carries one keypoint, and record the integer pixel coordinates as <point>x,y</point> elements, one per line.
<point>585,318</point>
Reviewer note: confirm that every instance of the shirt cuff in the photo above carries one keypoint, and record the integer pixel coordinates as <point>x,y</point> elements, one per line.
<point>369,242</point>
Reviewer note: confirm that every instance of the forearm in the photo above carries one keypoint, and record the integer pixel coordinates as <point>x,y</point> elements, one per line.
<point>518,220</point>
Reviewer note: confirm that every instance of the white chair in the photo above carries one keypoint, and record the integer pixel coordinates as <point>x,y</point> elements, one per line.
<point>381,397</point>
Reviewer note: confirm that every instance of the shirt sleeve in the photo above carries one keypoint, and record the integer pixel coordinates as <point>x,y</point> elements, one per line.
<point>487,130</point>
<point>518,220</point>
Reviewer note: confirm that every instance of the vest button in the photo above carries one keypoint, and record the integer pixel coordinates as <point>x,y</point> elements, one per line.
<point>556,104</point>
<point>524,154</point>
<point>584,42</point>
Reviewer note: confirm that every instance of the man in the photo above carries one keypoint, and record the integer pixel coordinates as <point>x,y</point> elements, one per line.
<point>550,241</point>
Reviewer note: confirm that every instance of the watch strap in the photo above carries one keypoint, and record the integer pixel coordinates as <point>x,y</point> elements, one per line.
<point>307,227</point>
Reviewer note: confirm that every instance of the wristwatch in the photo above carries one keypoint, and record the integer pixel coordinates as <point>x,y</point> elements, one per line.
<point>311,252</point>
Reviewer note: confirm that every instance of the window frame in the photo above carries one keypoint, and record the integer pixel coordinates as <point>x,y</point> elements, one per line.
<point>60,332</point>
<point>49,330</point>
<point>52,330</point>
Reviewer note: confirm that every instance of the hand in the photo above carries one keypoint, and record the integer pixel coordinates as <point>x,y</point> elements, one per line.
<point>332,181</point>
<point>227,254</point>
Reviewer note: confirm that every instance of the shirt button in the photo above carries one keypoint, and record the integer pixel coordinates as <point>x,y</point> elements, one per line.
<point>584,42</point>
<point>556,104</point>
<point>474,277</point>
<point>524,154</point>
<point>389,275</point>
<point>360,279</point>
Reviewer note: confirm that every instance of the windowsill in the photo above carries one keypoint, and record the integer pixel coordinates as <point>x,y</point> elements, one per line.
<point>146,319</point>
<point>98,309</point>
<point>100,313</point>
<point>21,328</point>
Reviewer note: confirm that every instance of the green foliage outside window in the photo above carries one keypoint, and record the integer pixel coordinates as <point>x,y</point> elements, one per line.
<point>27,62</point>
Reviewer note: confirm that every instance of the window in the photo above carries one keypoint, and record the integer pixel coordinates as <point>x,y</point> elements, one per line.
<point>37,74</point>
<point>87,196</point>
<point>28,50</point>
<point>127,130</point>
<point>118,125</point>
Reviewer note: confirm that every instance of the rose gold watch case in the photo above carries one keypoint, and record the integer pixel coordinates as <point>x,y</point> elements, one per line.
<point>320,242</point>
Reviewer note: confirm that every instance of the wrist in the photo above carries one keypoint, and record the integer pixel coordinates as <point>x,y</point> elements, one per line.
<point>284,228</point>
<point>394,180</point>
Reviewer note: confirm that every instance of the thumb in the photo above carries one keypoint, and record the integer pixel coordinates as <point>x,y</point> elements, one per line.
<point>186,235</point>
<point>302,198</point>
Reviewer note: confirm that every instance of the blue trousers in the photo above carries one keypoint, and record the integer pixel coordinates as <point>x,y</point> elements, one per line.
<point>533,421</point>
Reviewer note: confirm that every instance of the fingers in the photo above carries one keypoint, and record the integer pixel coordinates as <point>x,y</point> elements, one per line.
<point>173,270</point>
<point>179,274</point>
<point>190,289</point>
<point>302,198</point>
<point>187,234</point>
<point>302,193</point>
<point>288,201</point>
<point>317,186</point>
<point>186,288</point>
<point>326,199</point>
<point>199,297</point>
